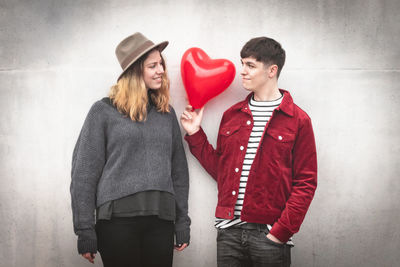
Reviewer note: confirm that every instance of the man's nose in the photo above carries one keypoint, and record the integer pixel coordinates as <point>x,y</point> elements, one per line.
<point>243,71</point>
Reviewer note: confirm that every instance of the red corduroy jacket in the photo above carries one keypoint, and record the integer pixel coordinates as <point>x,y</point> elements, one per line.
<point>283,177</point>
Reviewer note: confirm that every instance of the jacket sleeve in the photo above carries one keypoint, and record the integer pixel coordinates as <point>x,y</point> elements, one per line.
<point>204,152</point>
<point>87,165</point>
<point>304,184</point>
<point>180,178</point>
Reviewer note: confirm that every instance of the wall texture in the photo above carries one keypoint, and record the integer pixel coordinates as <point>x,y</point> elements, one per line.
<point>343,66</point>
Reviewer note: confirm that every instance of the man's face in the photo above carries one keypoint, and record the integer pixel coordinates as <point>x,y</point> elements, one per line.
<point>254,74</point>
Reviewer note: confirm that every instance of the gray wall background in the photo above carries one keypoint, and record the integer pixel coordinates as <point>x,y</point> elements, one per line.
<point>57,58</point>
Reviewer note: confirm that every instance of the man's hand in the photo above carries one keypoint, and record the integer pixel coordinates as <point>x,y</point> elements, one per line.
<point>181,247</point>
<point>274,239</point>
<point>89,256</point>
<point>191,120</point>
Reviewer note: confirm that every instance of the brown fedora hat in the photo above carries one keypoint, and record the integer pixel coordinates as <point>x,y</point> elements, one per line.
<point>132,48</point>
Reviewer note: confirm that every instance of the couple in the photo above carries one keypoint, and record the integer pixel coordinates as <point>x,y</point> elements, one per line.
<point>130,167</point>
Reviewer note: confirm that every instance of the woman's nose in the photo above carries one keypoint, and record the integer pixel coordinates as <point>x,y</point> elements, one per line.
<point>160,69</point>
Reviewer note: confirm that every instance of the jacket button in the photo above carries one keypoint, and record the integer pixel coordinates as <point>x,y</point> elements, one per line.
<point>241,147</point>
<point>237,170</point>
<point>280,137</point>
<point>229,213</point>
<point>248,122</point>
<point>233,193</point>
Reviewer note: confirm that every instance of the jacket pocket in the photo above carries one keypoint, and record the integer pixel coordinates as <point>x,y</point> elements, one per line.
<point>229,137</point>
<point>229,130</point>
<point>280,145</point>
<point>282,137</point>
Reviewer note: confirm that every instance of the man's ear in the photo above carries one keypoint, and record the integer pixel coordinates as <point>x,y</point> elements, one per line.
<point>272,71</point>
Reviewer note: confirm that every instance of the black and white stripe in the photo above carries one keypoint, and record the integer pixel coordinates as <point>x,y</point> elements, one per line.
<point>262,112</point>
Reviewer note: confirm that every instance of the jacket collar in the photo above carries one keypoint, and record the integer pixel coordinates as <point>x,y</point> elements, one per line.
<point>287,105</point>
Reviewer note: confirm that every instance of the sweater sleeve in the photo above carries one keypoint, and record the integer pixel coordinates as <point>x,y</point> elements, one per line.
<point>87,165</point>
<point>180,178</point>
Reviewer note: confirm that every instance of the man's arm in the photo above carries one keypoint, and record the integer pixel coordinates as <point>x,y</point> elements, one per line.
<point>304,184</point>
<point>197,140</point>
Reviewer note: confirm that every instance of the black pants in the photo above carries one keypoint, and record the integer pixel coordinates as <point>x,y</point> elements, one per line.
<point>248,245</point>
<point>142,241</point>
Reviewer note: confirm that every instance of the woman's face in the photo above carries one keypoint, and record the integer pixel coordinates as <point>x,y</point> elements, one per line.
<point>153,70</point>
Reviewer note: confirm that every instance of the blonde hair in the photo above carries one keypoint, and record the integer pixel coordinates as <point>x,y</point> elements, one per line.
<point>130,96</point>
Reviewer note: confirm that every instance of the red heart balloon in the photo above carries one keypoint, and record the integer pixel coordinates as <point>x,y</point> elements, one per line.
<point>203,77</point>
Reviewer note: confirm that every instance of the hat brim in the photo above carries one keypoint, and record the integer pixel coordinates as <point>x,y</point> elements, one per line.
<point>161,46</point>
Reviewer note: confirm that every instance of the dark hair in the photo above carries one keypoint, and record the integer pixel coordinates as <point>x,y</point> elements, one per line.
<point>265,50</point>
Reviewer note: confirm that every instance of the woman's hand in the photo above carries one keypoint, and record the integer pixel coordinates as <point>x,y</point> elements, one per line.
<point>191,120</point>
<point>89,256</point>
<point>181,247</point>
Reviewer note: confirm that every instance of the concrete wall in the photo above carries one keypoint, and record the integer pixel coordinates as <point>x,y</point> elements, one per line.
<point>57,58</point>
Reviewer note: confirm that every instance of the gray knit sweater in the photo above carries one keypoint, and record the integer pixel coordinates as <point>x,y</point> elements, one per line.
<point>115,157</point>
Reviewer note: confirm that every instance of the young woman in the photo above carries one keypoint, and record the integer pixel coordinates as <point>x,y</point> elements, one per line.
<point>130,167</point>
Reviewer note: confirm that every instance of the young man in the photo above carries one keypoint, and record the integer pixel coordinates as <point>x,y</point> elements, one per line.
<point>265,163</point>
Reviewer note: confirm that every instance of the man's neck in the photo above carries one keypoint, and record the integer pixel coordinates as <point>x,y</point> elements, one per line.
<point>269,92</point>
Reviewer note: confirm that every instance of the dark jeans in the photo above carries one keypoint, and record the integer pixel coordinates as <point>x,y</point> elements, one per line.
<point>136,241</point>
<point>248,245</point>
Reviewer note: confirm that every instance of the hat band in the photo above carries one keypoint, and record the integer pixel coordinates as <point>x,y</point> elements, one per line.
<point>137,52</point>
